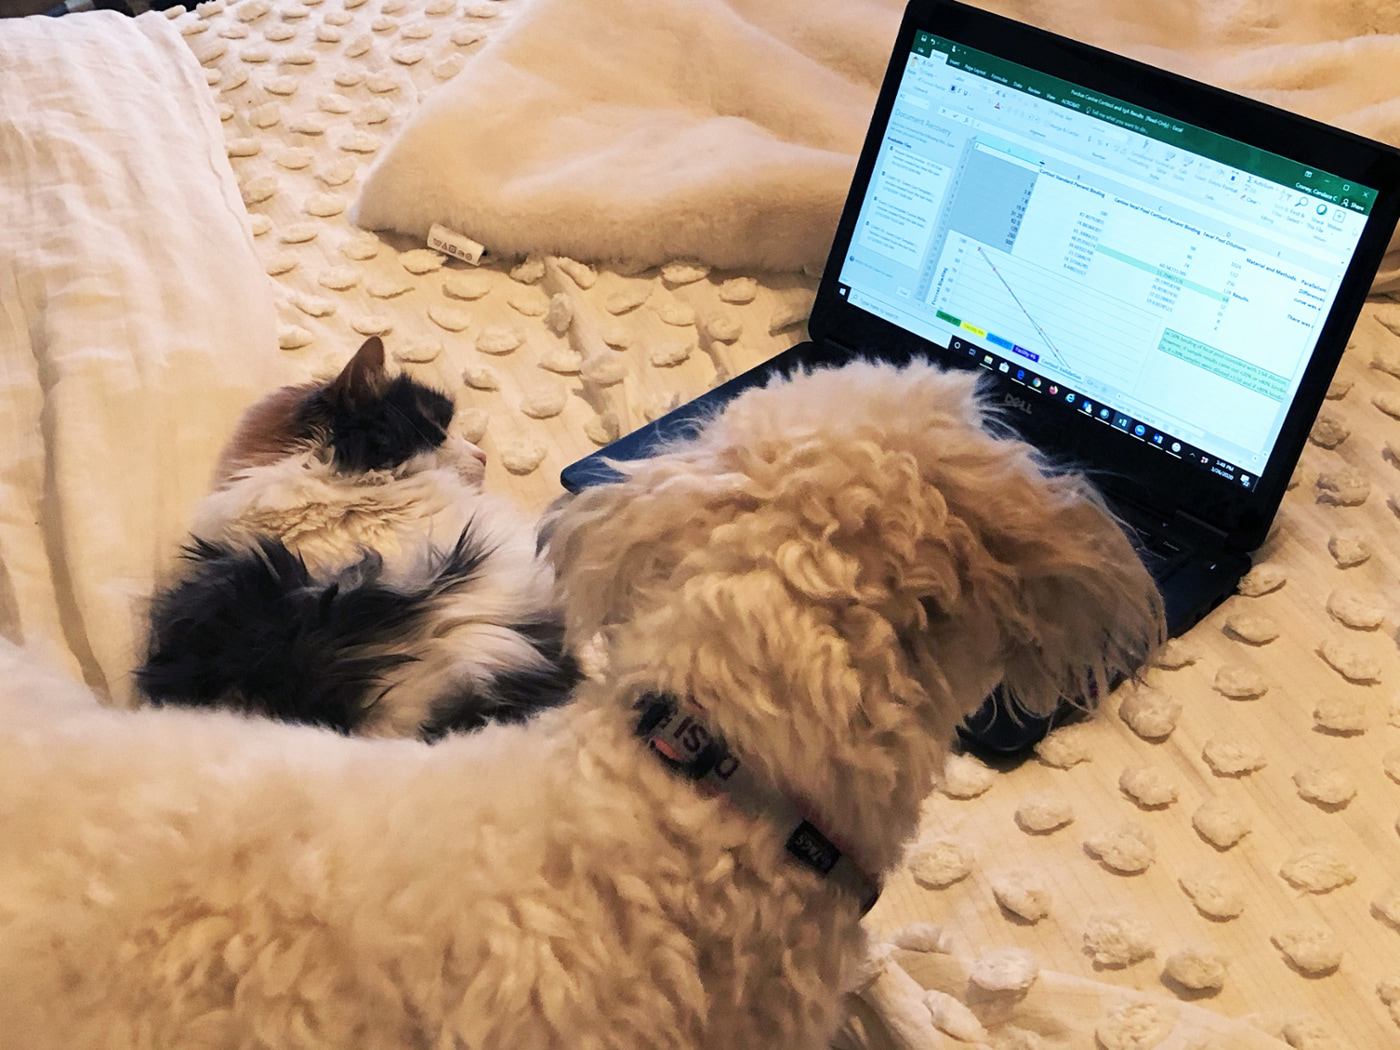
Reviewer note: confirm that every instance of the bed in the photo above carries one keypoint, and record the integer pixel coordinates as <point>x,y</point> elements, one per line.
<point>179,195</point>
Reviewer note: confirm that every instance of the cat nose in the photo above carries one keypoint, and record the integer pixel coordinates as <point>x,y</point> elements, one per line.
<point>465,452</point>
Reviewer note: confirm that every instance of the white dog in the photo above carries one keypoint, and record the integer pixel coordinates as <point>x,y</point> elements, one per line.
<point>825,580</point>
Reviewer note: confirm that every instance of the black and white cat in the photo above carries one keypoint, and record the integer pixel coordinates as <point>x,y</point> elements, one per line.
<point>348,571</point>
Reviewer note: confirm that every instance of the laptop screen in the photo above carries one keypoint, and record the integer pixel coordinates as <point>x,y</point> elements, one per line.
<point>1156,277</point>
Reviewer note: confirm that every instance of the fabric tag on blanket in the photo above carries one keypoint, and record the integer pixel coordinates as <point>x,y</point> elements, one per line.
<point>449,242</point>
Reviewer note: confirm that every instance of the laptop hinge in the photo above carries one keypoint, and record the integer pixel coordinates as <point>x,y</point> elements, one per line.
<point>841,348</point>
<point>1195,526</point>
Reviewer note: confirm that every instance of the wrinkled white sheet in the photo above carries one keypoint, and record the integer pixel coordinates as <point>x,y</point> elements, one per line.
<point>135,325</point>
<point>727,129</point>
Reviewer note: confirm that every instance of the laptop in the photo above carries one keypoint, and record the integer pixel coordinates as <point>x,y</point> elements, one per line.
<point>1157,277</point>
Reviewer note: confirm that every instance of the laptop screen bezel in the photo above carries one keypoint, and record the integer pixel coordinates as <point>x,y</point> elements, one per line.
<point>1128,469</point>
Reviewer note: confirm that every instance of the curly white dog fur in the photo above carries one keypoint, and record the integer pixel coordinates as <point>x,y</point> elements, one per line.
<point>834,571</point>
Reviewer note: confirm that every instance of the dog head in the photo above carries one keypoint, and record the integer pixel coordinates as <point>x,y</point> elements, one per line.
<point>852,551</point>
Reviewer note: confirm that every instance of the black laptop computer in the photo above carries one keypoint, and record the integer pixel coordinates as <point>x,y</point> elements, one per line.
<point>1158,278</point>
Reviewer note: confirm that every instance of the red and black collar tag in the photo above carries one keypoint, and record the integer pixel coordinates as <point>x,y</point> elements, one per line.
<point>686,745</point>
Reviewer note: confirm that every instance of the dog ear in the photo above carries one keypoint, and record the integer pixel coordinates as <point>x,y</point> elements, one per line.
<point>977,557</point>
<point>1074,606</point>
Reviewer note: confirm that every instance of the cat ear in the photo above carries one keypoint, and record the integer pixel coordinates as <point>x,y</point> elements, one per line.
<point>363,378</point>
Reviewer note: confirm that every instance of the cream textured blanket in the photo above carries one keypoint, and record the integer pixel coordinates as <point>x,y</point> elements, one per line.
<point>727,130</point>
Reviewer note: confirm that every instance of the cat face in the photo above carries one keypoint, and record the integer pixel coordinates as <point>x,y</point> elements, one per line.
<point>364,420</point>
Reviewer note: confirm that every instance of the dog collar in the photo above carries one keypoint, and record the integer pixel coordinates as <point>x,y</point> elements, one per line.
<point>681,740</point>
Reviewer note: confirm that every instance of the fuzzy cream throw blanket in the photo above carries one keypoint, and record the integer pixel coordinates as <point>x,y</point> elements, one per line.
<point>643,131</point>
<point>726,130</point>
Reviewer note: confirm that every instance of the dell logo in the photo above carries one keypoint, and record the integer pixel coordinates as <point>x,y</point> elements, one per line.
<point>1020,404</point>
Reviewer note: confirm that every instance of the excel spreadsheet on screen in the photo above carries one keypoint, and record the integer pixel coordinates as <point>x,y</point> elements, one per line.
<point>1162,279</point>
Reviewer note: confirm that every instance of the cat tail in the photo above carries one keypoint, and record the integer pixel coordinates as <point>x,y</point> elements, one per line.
<point>248,628</point>
<point>541,674</point>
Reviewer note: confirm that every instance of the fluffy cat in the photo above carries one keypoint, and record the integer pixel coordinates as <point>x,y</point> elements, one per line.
<point>348,571</point>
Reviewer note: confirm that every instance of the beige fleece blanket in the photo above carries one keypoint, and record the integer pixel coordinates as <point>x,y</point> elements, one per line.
<point>639,131</point>
<point>727,130</point>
